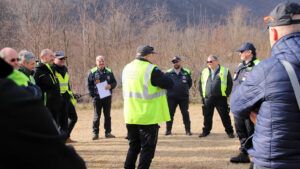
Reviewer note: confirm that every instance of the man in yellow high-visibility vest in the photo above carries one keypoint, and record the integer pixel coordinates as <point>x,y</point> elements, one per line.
<point>68,115</point>
<point>215,86</point>
<point>145,105</point>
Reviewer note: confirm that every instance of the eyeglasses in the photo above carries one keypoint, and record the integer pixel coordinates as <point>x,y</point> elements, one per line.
<point>62,58</point>
<point>210,61</point>
<point>14,59</point>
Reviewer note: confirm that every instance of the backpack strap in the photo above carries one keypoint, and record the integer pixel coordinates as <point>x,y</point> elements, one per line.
<point>293,78</point>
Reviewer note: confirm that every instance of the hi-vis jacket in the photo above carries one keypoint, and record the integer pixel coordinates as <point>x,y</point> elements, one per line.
<point>144,104</point>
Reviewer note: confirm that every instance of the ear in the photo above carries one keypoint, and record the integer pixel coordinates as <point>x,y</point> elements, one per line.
<point>275,34</point>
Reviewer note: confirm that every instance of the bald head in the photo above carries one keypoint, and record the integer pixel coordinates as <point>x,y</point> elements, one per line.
<point>47,56</point>
<point>10,56</point>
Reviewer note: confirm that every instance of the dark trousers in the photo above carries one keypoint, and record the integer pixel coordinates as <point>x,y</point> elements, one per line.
<point>142,139</point>
<point>72,118</point>
<point>104,104</point>
<point>184,106</point>
<point>63,116</point>
<point>55,111</point>
<point>220,103</point>
<point>244,129</point>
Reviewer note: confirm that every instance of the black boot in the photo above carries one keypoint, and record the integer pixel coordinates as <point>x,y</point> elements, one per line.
<point>168,132</point>
<point>241,158</point>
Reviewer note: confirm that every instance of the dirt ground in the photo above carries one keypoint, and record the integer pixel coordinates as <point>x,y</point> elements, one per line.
<point>177,151</point>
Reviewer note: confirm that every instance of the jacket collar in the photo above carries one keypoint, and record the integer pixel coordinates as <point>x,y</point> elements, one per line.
<point>142,59</point>
<point>26,71</point>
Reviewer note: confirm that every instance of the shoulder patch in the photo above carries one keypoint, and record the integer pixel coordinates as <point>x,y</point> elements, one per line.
<point>156,68</point>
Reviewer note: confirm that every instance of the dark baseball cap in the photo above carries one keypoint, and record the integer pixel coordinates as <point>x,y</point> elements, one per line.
<point>282,14</point>
<point>144,50</point>
<point>246,46</point>
<point>176,59</point>
<point>59,55</point>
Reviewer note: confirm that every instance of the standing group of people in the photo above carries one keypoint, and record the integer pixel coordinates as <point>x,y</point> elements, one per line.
<point>39,103</point>
<point>47,79</point>
<point>265,94</point>
<point>32,133</point>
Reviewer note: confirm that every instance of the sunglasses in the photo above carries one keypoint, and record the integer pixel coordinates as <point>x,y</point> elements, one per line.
<point>14,59</point>
<point>62,58</point>
<point>175,62</point>
<point>210,61</point>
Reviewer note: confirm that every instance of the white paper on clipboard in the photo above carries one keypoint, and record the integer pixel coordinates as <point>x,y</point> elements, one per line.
<point>102,91</point>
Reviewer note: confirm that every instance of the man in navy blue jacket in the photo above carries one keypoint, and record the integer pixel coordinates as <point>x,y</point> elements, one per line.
<point>276,140</point>
<point>179,94</point>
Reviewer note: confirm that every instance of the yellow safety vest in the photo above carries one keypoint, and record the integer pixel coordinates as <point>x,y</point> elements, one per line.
<point>223,76</point>
<point>19,78</point>
<point>64,85</point>
<point>144,104</point>
<point>31,79</point>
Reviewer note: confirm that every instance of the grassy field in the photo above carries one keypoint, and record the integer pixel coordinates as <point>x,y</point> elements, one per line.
<point>177,151</point>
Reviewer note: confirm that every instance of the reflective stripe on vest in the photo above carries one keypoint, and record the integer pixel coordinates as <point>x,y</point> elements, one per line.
<point>64,86</point>
<point>223,77</point>
<point>145,94</point>
<point>63,82</point>
<point>31,79</point>
<point>52,78</point>
<point>144,104</point>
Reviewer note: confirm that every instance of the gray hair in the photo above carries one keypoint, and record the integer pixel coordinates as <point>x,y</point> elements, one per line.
<point>26,56</point>
<point>3,54</point>
<point>100,57</point>
<point>213,56</point>
<point>44,52</point>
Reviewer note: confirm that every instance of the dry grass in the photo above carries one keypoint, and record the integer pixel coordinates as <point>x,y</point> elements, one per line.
<point>175,151</point>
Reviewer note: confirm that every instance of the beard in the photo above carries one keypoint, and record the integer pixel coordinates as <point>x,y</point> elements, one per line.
<point>176,66</point>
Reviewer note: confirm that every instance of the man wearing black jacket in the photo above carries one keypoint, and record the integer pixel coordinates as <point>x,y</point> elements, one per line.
<point>215,86</point>
<point>179,94</point>
<point>97,75</point>
<point>67,108</point>
<point>47,81</point>
<point>29,134</point>
<point>244,127</point>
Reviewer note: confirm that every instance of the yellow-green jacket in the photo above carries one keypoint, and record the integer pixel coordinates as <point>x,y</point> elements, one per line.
<point>144,104</point>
